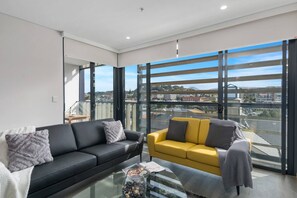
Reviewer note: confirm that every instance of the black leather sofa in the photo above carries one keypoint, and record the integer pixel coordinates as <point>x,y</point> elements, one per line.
<point>80,151</point>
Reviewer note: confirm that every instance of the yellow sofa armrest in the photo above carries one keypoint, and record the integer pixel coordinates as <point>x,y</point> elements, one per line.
<point>155,137</point>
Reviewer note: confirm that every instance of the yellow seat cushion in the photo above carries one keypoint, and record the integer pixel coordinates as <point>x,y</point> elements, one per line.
<point>192,128</point>
<point>204,154</point>
<point>203,130</point>
<point>174,148</point>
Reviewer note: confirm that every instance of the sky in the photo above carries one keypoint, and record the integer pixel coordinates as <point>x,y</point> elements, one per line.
<point>104,74</point>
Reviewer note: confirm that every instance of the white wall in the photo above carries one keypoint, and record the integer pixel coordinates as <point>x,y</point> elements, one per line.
<point>31,72</point>
<point>71,81</point>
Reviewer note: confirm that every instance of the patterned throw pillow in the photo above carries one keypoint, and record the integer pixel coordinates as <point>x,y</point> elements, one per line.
<point>3,144</point>
<point>28,149</point>
<point>114,131</point>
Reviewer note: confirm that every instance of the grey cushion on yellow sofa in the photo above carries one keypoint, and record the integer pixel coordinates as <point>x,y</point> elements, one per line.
<point>220,136</point>
<point>177,130</point>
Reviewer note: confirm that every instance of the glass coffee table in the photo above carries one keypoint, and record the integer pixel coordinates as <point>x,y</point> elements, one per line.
<point>162,184</point>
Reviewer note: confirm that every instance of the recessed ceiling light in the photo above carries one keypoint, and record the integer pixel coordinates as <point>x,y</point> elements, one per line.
<point>223,7</point>
<point>128,38</point>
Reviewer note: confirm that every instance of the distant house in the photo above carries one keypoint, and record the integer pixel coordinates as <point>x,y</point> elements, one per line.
<point>170,97</point>
<point>158,96</point>
<point>190,98</point>
<point>268,97</point>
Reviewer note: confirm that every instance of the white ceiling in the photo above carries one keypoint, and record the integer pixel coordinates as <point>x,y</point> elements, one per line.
<point>109,22</point>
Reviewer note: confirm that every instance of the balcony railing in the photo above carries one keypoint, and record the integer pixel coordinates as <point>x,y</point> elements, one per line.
<point>105,110</point>
<point>131,115</point>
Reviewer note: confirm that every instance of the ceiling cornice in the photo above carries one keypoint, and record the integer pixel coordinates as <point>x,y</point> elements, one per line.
<point>203,30</point>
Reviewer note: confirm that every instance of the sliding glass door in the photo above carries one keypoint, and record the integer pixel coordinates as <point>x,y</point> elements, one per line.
<point>142,92</point>
<point>95,93</point>
<point>253,86</point>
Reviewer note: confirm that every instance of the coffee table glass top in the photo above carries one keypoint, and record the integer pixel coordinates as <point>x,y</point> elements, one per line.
<point>161,184</point>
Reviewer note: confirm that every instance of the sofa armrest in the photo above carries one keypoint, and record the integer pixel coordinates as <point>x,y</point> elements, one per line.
<point>240,145</point>
<point>133,135</point>
<point>250,144</point>
<point>155,137</point>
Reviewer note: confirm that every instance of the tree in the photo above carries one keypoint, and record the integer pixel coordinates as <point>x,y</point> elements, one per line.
<point>265,113</point>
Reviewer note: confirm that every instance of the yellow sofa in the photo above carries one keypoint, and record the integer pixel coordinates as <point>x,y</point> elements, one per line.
<point>192,153</point>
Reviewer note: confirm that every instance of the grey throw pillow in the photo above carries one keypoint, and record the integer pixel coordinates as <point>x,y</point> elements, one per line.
<point>177,130</point>
<point>237,133</point>
<point>28,149</point>
<point>220,136</point>
<point>114,131</point>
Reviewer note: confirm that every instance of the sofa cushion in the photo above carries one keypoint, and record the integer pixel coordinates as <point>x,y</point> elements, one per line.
<point>174,148</point>
<point>203,130</point>
<point>192,128</point>
<point>63,167</point>
<point>28,149</point>
<point>220,136</point>
<point>61,139</point>
<point>107,152</point>
<point>89,133</point>
<point>177,131</point>
<point>204,154</point>
<point>114,131</point>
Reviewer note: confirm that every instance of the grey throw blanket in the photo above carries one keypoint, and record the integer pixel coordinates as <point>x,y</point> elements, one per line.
<point>236,163</point>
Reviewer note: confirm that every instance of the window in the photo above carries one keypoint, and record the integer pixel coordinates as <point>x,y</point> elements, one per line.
<point>131,106</point>
<point>186,87</point>
<point>103,92</point>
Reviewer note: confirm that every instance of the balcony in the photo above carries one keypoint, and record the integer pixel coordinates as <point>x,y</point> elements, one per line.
<point>81,110</point>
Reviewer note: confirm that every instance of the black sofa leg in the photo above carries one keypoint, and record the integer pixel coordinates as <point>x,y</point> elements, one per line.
<point>151,158</point>
<point>238,190</point>
<point>140,157</point>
